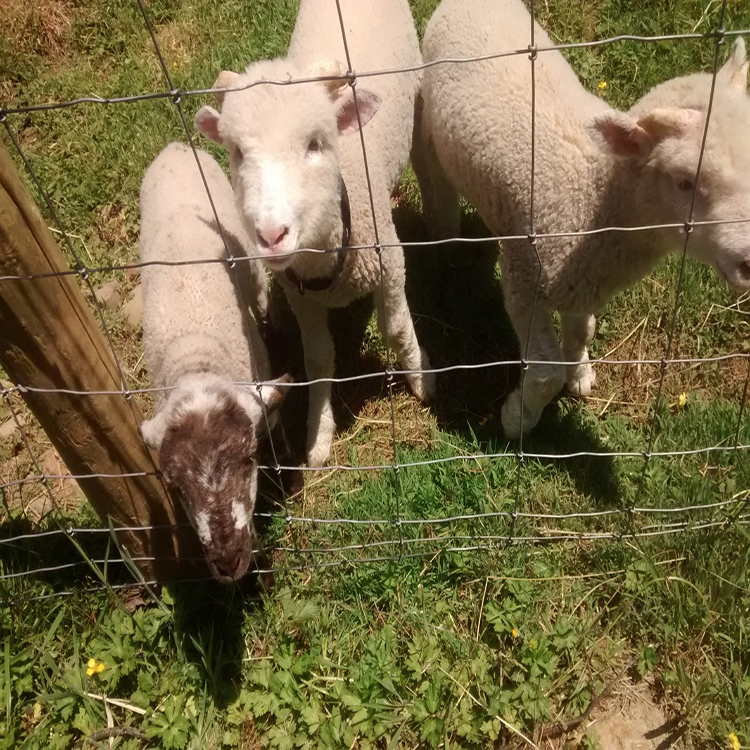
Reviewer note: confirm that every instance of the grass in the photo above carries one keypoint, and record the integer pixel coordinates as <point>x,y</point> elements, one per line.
<point>442,646</point>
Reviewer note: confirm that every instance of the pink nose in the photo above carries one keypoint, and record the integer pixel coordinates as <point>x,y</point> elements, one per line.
<point>272,236</point>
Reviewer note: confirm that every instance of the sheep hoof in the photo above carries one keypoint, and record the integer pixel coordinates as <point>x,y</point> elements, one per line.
<point>423,384</point>
<point>510,416</point>
<point>581,380</point>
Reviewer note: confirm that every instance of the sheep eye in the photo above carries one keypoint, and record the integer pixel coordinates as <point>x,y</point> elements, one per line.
<point>313,146</point>
<point>685,184</point>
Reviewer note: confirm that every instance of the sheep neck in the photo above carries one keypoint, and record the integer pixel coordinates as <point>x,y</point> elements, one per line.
<point>622,204</point>
<point>329,281</point>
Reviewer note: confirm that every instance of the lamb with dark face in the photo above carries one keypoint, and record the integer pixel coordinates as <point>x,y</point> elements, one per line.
<point>203,349</point>
<point>208,458</point>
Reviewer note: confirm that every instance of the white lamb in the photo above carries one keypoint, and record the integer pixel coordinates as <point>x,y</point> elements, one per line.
<point>199,339</point>
<point>295,155</point>
<point>595,167</point>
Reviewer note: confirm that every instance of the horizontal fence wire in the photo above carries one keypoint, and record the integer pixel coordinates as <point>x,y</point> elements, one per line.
<point>414,464</point>
<point>402,547</point>
<point>177,93</point>
<point>502,544</point>
<point>86,271</point>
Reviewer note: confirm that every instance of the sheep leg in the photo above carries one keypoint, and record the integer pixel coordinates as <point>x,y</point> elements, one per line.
<point>577,332</point>
<point>258,291</point>
<point>541,381</point>
<point>397,327</point>
<point>440,206</point>
<point>317,344</point>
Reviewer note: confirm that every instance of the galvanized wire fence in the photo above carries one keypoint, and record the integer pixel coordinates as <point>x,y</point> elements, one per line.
<point>413,537</point>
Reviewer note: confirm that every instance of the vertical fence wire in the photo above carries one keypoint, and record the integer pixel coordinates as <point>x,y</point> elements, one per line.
<point>532,240</point>
<point>689,226</point>
<point>351,75</point>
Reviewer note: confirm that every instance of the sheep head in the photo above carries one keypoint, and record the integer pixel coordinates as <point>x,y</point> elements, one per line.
<point>207,439</point>
<point>663,138</point>
<point>282,138</point>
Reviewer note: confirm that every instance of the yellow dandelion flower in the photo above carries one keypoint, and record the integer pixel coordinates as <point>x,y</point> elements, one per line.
<point>734,741</point>
<point>682,399</point>
<point>514,632</point>
<point>94,667</point>
<point>602,85</point>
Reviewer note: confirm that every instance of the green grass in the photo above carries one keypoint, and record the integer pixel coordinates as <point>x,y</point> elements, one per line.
<point>436,648</point>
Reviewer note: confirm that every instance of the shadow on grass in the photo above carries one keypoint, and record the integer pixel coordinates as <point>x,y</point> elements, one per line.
<point>567,434</point>
<point>207,616</point>
<point>456,298</point>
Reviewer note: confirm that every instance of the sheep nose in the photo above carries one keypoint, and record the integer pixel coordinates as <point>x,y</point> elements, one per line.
<point>272,236</point>
<point>231,568</point>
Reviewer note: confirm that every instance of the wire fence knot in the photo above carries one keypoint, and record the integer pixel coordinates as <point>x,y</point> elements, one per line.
<point>533,52</point>
<point>176,96</point>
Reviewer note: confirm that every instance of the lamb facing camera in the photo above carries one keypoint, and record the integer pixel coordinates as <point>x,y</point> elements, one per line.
<point>300,183</point>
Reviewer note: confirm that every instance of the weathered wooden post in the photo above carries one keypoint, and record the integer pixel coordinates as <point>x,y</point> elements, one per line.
<point>50,339</point>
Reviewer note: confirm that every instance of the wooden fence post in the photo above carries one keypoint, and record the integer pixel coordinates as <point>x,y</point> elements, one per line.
<point>49,338</point>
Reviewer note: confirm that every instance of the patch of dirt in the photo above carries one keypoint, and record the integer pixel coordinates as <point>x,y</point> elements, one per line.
<point>21,452</point>
<point>631,720</point>
<point>38,27</point>
<point>112,225</point>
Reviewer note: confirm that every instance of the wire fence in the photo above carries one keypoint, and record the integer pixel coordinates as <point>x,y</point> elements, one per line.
<point>411,537</point>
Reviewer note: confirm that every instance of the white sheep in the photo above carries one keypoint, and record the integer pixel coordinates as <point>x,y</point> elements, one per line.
<point>199,341</point>
<point>295,155</point>
<point>595,167</point>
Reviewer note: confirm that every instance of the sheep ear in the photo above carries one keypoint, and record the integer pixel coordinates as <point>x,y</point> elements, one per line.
<point>226,79</point>
<point>328,68</point>
<point>669,122</point>
<point>273,396</point>
<point>207,121</point>
<point>619,135</point>
<point>153,430</point>
<point>368,103</point>
<point>734,70</point>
